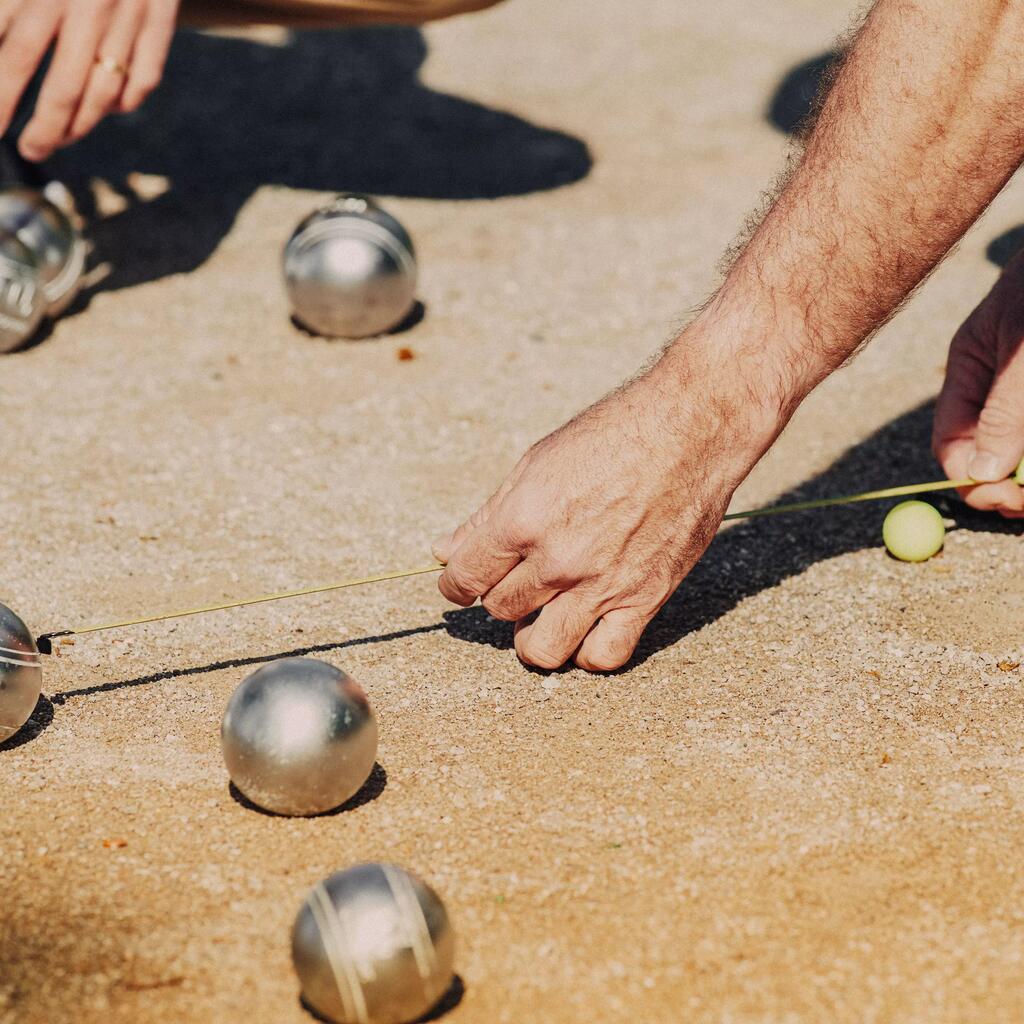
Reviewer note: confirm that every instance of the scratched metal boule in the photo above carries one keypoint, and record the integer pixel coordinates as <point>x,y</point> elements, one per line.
<point>299,737</point>
<point>22,303</point>
<point>54,241</point>
<point>21,675</point>
<point>350,269</point>
<point>373,945</point>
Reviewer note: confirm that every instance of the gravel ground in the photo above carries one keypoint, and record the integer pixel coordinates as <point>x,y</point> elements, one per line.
<point>800,803</point>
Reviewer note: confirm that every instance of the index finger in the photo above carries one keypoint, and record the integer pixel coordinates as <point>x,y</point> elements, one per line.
<point>482,560</point>
<point>65,82</point>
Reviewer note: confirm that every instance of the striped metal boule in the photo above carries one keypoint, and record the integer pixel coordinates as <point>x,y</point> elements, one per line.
<point>373,945</point>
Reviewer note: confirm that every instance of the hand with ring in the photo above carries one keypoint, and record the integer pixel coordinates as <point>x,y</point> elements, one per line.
<point>108,55</point>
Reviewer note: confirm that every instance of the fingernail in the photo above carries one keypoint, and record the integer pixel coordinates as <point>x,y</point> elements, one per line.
<point>984,467</point>
<point>440,549</point>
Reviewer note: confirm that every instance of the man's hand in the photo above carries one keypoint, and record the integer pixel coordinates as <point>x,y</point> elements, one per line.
<point>109,55</point>
<point>979,419</point>
<point>599,522</point>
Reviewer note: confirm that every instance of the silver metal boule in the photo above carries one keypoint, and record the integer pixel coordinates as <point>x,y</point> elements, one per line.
<point>21,674</point>
<point>299,737</point>
<point>350,269</point>
<point>47,231</point>
<point>373,945</point>
<point>22,303</point>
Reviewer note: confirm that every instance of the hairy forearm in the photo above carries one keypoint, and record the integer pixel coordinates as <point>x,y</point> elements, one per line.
<point>922,128</point>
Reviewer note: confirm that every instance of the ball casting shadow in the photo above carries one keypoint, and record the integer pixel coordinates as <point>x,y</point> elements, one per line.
<point>372,788</point>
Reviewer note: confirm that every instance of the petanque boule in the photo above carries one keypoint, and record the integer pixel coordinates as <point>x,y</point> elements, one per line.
<point>373,945</point>
<point>54,241</point>
<point>21,675</point>
<point>350,269</point>
<point>22,303</point>
<point>299,737</point>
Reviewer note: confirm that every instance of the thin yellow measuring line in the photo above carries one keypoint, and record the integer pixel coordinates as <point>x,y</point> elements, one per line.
<point>888,492</point>
<point>379,578</point>
<point>800,506</point>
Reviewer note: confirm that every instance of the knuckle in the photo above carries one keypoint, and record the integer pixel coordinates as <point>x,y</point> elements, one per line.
<point>1001,421</point>
<point>556,572</point>
<point>499,607</point>
<point>60,104</point>
<point>603,660</point>
<point>463,580</point>
<point>541,655</point>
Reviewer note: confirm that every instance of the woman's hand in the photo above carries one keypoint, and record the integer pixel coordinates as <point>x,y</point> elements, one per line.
<point>108,55</point>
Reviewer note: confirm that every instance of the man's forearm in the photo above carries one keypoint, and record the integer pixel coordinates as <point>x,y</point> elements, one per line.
<point>922,128</point>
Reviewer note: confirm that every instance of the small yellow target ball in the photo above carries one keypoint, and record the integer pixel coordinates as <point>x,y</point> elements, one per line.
<point>913,531</point>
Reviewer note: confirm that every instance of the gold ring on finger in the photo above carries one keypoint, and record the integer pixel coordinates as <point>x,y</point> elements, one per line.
<point>115,67</point>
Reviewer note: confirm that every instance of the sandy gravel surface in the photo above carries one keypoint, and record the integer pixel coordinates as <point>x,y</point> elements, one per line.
<point>801,803</point>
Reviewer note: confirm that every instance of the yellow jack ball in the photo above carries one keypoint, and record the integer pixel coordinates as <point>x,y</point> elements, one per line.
<point>913,531</point>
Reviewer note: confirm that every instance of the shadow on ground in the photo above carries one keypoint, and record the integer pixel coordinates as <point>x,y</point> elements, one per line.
<point>743,560</point>
<point>375,784</point>
<point>326,111</point>
<point>761,553</point>
<point>1005,246</point>
<point>40,720</point>
<point>455,994</point>
<point>795,98</point>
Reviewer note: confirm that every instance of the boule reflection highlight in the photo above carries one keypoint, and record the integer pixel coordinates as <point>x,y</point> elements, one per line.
<point>373,945</point>
<point>350,269</point>
<point>299,737</point>
<point>21,674</point>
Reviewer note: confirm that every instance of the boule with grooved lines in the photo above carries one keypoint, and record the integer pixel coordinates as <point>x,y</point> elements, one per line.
<point>48,233</point>
<point>22,304</point>
<point>21,675</point>
<point>350,269</point>
<point>373,945</point>
<point>299,737</point>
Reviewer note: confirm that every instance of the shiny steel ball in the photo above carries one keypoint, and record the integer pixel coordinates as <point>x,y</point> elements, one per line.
<point>22,303</point>
<point>350,269</point>
<point>373,945</point>
<point>48,233</point>
<point>299,737</point>
<point>21,674</point>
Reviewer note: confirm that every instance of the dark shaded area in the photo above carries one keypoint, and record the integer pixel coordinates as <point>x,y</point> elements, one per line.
<point>329,111</point>
<point>1004,247</point>
<point>795,98</point>
<point>447,1003</point>
<point>259,659</point>
<point>743,560</point>
<point>407,323</point>
<point>38,721</point>
<point>761,553</point>
<point>372,788</point>
<point>475,626</point>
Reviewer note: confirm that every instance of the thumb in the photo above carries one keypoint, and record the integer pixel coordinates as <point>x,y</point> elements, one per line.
<point>999,436</point>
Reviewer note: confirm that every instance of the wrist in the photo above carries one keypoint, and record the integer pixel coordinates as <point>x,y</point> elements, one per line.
<point>745,384</point>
